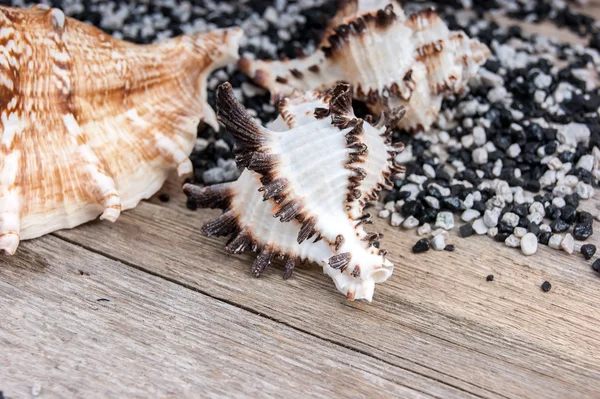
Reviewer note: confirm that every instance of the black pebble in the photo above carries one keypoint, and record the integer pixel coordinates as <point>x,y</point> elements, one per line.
<point>559,226</point>
<point>546,286</point>
<point>466,230</point>
<point>501,237</point>
<point>449,248</point>
<point>544,238</point>
<point>588,250</point>
<point>164,197</point>
<point>568,213</point>
<point>596,266</point>
<point>191,204</point>
<point>451,203</point>
<point>490,277</point>
<point>582,231</point>
<point>421,246</point>
<point>533,228</point>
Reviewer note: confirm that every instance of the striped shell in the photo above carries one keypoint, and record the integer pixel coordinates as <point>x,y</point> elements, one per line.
<point>92,125</point>
<point>307,181</point>
<point>390,60</point>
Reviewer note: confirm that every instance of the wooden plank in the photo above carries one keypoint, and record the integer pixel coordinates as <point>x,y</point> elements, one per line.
<point>436,316</point>
<point>155,338</point>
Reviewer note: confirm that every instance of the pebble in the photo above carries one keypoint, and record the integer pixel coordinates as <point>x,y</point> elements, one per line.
<point>449,248</point>
<point>558,202</point>
<point>429,171</point>
<point>596,266</point>
<point>520,232</point>
<point>544,228</point>
<point>466,230</point>
<point>513,151</point>
<point>480,156</point>
<point>512,241</point>
<point>492,232</point>
<point>470,215</point>
<point>424,230</point>
<point>384,213</point>
<point>396,220</point>
<point>490,277</point>
<point>588,250</point>
<point>164,197</point>
<point>438,243</point>
<point>480,227</point>
<point>586,162</point>
<point>546,286</point>
<point>529,244</point>
<point>445,220</point>
<point>567,244</point>
<point>410,223</point>
<point>555,241</point>
<point>512,219</point>
<point>390,206</point>
<point>583,230</point>
<point>439,232</point>
<point>479,136</point>
<point>490,217</point>
<point>421,246</point>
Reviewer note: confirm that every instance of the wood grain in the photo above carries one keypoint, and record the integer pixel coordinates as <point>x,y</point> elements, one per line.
<point>186,319</point>
<point>437,315</point>
<point>78,325</point>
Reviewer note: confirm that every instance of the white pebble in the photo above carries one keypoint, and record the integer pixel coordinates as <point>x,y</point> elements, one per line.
<point>568,243</point>
<point>480,156</point>
<point>537,207</point>
<point>586,162</point>
<point>535,218</point>
<point>410,223</point>
<point>512,241</point>
<point>413,189</point>
<point>490,217</point>
<point>429,171</point>
<point>584,190</point>
<point>479,136</point>
<point>558,202</point>
<point>497,94</point>
<point>445,220</point>
<point>390,206</point>
<point>384,214</point>
<point>467,140</point>
<point>468,202</point>
<point>513,151</point>
<point>543,81</point>
<point>438,232</point>
<point>545,228</point>
<point>555,240</point>
<point>562,190</point>
<point>397,219</point>
<point>432,202</point>
<point>512,219</point>
<point>529,244</point>
<point>479,227</point>
<point>424,230</point>
<point>469,215</point>
<point>493,232</point>
<point>438,243</point>
<point>520,232</point>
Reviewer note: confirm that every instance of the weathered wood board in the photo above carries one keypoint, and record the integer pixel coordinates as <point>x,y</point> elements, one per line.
<point>185,319</point>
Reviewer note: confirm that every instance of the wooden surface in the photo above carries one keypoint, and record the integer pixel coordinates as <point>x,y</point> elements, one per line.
<point>147,307</point>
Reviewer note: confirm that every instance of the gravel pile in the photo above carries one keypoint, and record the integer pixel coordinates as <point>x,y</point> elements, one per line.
<point>512,159</point>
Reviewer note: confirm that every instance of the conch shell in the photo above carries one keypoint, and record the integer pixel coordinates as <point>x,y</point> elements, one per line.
<point>314,170</point>
<point>91,124</point>
<point>390,60</point>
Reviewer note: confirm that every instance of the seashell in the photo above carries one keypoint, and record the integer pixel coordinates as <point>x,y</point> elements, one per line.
<point>351,9</point>
<point>314,173</point>
<point>91,124</point>
<point>389,59</point>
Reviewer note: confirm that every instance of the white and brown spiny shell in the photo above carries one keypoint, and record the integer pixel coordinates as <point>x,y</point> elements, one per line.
<point>390,60</point>
<point>90,124</point>
<point>307,182</point>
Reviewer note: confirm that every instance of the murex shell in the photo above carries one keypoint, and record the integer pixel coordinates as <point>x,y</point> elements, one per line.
<point>91,124</point>
<point>307,180</point>
<point>391,60</point>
